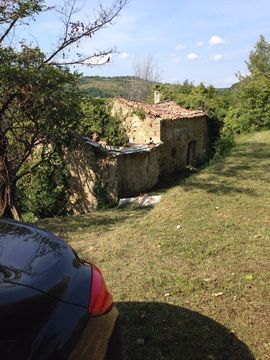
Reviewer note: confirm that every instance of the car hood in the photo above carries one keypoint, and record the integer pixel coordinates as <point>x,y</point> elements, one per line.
<point>42,261</point>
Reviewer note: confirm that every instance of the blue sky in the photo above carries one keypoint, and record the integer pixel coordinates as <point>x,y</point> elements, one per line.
<point>199,40</point>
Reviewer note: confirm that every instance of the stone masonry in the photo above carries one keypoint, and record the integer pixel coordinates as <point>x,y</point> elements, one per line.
<point>164,139</point>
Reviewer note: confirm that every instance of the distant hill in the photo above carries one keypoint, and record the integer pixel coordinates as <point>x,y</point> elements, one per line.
<point>110,87</point>
<point>107,87</point>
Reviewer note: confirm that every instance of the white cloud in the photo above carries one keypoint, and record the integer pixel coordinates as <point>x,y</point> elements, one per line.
<point>124,55</point>
<point>217,57</point>
<point>180,47</point>
<point>193,56</point>
<point>199,43</point>
<point>216,40</point>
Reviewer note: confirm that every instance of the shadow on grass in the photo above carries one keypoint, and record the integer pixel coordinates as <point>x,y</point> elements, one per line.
<point>257,150</point>
<point>102,220</point>
<point>173,180</point>
<point>216,188</point>
<point>165,332</point>
<point>247,161</point>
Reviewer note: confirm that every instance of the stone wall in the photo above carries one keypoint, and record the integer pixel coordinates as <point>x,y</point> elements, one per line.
<point>176,136</point>
<point>140,128</point>
<point>93,179</point>
<point>138,172</point>
<point>101,176</point>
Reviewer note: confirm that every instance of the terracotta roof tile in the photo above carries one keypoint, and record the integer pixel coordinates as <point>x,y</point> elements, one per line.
<point>165,110</point>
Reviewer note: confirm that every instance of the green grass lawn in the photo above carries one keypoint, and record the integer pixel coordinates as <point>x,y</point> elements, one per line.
<point>190,277</point>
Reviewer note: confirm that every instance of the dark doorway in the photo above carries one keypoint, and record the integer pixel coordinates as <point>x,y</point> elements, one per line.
<point>191,154</point>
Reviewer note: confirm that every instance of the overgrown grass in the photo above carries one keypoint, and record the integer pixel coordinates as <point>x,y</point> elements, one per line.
<point>190,277</point>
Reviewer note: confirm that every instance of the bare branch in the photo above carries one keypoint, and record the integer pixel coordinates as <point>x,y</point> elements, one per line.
<point>67,11</point>
<point>7,31</point>
<point>146,73</point>
<point>76,31</point>
<point>102,58</point>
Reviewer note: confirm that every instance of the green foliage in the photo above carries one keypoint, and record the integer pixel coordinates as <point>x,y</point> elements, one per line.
<point>106,87</point>
<point>45,108</point>
<point>223,147</point>
<point>39,96</point>
<point>198,97</point>
<point>214,103</point>
<point>251,111</point>
<point>10,10</point>
<point>44,193</point>
<point>259,59</point>
<point>173,91</point>
<point>101,194</point>
<point>250,108</point>
<point>140,113</point>
<point>98,120</point>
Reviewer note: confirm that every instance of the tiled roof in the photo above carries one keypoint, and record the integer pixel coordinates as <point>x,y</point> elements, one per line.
<point>165,110</point>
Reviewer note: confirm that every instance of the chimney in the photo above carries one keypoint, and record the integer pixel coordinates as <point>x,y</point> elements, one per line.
<point>157,96</point>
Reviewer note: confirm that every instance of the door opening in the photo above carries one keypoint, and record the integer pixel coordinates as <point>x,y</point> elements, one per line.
<point>191,153</point>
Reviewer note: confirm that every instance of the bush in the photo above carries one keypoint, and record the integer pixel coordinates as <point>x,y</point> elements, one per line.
<point>98,120</point>
<point>223,147</point>
<point>45,192</point>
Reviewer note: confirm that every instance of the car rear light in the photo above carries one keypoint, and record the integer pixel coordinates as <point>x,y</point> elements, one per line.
<point>100,299</point>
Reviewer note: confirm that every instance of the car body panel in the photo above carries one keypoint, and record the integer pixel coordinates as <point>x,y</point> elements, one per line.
<point>40,260</point>
<point>36,326</point>
<point>44,299</point>
<point>93,343</point>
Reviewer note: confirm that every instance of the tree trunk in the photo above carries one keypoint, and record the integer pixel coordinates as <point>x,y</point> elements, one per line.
<point>7,201</point>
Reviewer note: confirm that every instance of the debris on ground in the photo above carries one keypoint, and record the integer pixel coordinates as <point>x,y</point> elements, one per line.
<point>140,201</point>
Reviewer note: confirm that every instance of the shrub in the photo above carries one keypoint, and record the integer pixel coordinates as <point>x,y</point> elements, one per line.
<point>98,120</point>
<point>44,193</point>
<point>223,147</point>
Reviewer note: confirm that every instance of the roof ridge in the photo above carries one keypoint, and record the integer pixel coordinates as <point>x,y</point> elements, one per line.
<point>167,109</point>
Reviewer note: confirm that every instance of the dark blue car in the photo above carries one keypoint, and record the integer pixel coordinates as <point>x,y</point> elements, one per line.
<point>52,304</point>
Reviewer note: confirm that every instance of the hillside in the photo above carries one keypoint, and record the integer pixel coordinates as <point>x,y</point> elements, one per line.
<point>190,277</point>
<point>107,87</point>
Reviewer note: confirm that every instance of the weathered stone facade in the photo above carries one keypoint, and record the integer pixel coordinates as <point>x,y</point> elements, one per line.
<point>184,133</point>
<point>185,143</point>
<point>170,138</point>
<point>91,173</point>
<point>141,128</point>
<point>138,170</point>
<point>104,175</point>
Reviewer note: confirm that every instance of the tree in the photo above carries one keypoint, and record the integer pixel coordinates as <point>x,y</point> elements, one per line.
<point>250,110</point>
<point>202,97</point>
<point>39,96</point>
<point>259,59</point>
<point>98,122</point>
<point>146,74</point>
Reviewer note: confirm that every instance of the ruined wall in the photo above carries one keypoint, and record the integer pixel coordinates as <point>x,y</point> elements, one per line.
<point>177,135</point>
<point>141,128</point>
<point>103,177</point>
<point>93,179</point>
<point>138,172</point>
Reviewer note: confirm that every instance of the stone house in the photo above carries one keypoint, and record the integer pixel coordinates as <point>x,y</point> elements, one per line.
<point>183,133</point>
<point>164,138</point>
